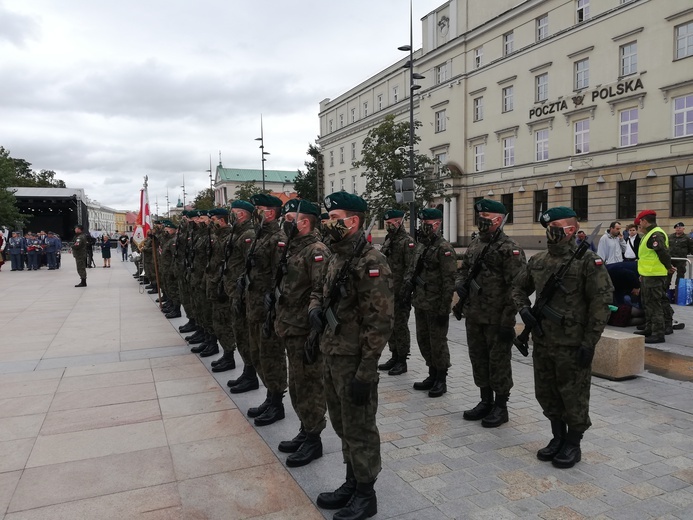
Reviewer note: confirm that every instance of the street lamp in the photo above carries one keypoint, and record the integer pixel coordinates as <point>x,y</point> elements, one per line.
<point>211,184</point>
<point>262,148</point>
<point>412,88</point>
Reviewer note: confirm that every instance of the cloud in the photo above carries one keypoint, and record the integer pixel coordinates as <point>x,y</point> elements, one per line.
<point>16,28</point>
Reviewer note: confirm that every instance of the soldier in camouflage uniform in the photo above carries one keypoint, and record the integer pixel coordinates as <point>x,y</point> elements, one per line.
<point>266,353</point>
<point>490,312</point>
<point>654,264</point>
<point>399,250</point>
<point>168,261</point>
<point>563,354</point>
<point>299,290</point>
<point>180,265</point>
<point>431,277</point>
<point>202,246</point>
<point>243,235</point>
<point>324,236</point>
<point>148,260</point>
<point>680,246</point>
<point>351,354</point>
<point>79,252</point>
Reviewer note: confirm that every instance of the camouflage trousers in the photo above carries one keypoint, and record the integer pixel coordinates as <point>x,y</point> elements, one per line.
<point>268,357</point>
<point>185,299</point>
<point>240,333</point>
<point>658,311</point>
<point>355,425</point>
<point>432,337</point>
<point>400,340</point>
<point>221,324</point>
<point>172,288</point>
<point>306,388</point>
<point>81,263</point>
<point>201,305</point>
<point>490,351</point>
<point>561,385</point>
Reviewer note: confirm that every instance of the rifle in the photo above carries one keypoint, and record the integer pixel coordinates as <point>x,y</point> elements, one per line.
<point>228,251</point>
<point>282,269</point>
<point>244,281</point>
<point>470,282</point>
<point>408,286</point>
<point>338,289</point>
<point>541,309</point>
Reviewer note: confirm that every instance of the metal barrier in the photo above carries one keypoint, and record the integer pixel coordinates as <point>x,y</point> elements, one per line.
<point>689,276</point>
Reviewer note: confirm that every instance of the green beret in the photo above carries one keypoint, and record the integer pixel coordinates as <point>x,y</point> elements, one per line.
<point>218,212</point>
<point>170,224</point>
<point>307,207</point>
<point>243,204</point>
<point>393,213</point>
<point>202,213</point>
<point>491,206</point>
<point>263,199</point>
<point>157,222</point>
<point>430,214</point>
<point>345,201</point>
<point>557,213</point>
<point>324,216</point>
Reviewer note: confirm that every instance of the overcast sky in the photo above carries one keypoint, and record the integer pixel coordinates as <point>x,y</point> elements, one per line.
<point>106,92</point>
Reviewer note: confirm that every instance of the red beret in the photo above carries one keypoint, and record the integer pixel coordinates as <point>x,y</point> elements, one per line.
<point>642,214</point>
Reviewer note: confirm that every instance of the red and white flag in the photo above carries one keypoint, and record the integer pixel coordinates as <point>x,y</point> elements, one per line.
<point>144,219</point>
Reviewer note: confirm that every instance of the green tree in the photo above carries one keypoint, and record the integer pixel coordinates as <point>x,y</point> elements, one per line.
<point>46,179</point>
<point>385,158</point>
<point>10,216</point>
<point>306,184</point>
<point>204,199</point>
<point>247,190</point>
<point>24,177</point>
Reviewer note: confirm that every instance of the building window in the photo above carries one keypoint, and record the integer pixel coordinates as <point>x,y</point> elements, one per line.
<point>440,121</point>
<point>380,101</point>
<point>353,184</point>
<point>582,74</point>
<point>365,109</point>
<point>628,56</point>
<point>508,43</point>
<point>541,145</point>
<point>508,101</point>
<point>542,86</point>
<point>583,10</point>
<point>683,116</point>
<point>626,199</point>
<point>580,202</point>
<point>507,201</point>
<point>684,40</point>
<point>395,94</point>
<point>353,151</point>
<point>331,157</point>
<point>509,151</point>
<point>628,126</point>
<point>541,203</point>
<point>329,126</point>
<point>478,109</point>
<point>476,215</point>
<point>479,158</point>
<point>682,195</point>
<point>341,155</point>
<point>441,73</point>
<point>478,57</point>
<point>341,120</point>
<point>441,160</point>
<point>341,184</point>
<point>582,136</point>
<point>331,186</point>
<point>542,27</point>
<point>353,115</point>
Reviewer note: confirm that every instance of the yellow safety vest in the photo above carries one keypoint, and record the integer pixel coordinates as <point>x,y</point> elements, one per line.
<point>648,261</point>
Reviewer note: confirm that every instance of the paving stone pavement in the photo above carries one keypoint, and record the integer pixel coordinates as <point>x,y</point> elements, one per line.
<point>637,457</point>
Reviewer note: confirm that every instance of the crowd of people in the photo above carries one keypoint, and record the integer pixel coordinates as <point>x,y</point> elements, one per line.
<point>31,251</point>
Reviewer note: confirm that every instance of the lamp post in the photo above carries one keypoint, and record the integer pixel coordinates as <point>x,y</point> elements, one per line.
<point>263,152</point>
<point>412,88</point>
<point>211,185</point>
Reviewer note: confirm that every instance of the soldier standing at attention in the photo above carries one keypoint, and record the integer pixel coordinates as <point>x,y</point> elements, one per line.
<point>399,250</point>
<point>490,312</point>
<point>351,352</point>
<point>680,246</point>
<point>79,251</point>
<point>324,237</point>
<point>563,354</point>
<point>431,277</point>
<point>300,289</point>
<point>16,247</point>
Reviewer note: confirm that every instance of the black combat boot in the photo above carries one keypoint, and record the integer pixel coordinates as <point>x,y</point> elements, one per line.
<point>310,450</point>
<point>197,337</point>
<point>668,330</point>
<point>153,290</point>
<point>643,332</point>
<point>440,386</point>
<point>83,283</point>
<point>294,444</point>
<point>482,409</point>
<point>203,345</point>
<point>226,362</point>
<point>274,412</point>
<point>570,452</point>
<point>212,347</point>
<point>427,383</point>
<point>558,428</point>
<point>398,368</point>
<point>257,411</point>
<point>363,504</point>
<point>149,285</point>
<point>341,496</point>
<point>499,413</point>
<point>247,383</point>
<point>241,378</point>
<point>655,339</point>
<point>389,363</point>
<point>188,327</point>
<point>174,313</point>
<point>166,307</point>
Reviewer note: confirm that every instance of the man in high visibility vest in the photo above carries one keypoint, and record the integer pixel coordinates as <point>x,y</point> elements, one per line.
<point>654,265</point>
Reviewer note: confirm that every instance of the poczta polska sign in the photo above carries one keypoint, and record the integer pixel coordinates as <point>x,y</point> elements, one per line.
<point>624,87</point>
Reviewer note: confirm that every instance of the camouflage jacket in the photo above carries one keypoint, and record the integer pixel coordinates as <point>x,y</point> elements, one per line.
<point>491,302</point>
<point>366,312</point>
<point>220,238</point>
<point>200,245</point>
<point>399,249</point>
<point>585,302</point>
<point>165,257</point>
<point>680,246</point>
<point>434,291</point>
<point>266,256</point>
<point>79,246</point>
<point>301,286</point>
<point>146,248</point>
<point>235,265</point>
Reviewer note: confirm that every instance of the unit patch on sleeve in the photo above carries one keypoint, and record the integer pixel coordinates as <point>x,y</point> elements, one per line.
<point>374,273</point>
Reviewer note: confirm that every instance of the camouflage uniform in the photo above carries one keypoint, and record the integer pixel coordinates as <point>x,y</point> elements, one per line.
<point>169,267</point>
<point>561,384</point>
<point>147,258</point>
<point>198,286</point>
<point>221,306</point>
<point>181,268</point>
<point>79,252</point>
<point>366,320</point>
<point>659,315</point>
<point>680,246</point>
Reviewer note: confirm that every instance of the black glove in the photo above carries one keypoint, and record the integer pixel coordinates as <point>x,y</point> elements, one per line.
<point>268,301</point>
<point>527,317</point>
<point>462,291</point>
<point>311,348</point>
<point>315,319</point>
<point>585,355</point>
<point>360,391</point>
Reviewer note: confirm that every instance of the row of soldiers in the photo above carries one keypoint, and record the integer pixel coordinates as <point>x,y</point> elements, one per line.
<point>311,305</point>
<point>34,250</point>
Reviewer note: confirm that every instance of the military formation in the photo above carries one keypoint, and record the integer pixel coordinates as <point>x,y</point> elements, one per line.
<point>310,304</point>
<point>34,250</point>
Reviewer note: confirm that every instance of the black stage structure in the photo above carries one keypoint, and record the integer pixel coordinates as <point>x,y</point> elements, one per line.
<point>53,209</point>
